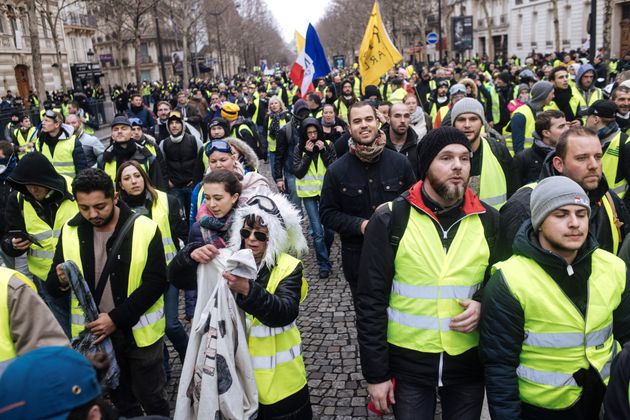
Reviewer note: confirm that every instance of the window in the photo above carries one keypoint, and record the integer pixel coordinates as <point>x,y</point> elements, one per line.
<point>44,24</point>
<point>1,24</point>
<point>144,50</point>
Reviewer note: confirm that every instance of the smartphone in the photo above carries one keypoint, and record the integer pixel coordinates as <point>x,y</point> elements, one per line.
<point>20,234</point>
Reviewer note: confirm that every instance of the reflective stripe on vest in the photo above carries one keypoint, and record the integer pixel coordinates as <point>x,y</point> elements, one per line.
<point>62,158</point>
<point>493,185</point>
<point>311,184</point>
<point>429,281</point>
<point>276,352</point>
<point>160,214</point>
<point>7,346</point>
<point>610,164</point>
<point>39,259</point>
<point>559,340</point>
<point>150,326</point>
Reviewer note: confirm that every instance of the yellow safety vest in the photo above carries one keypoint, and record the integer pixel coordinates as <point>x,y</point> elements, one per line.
<point>111,168</point>
<point>530,127</point>
<point>595,96</point>
<point>311,184</point>
<point>150,147</point>
<point>493,185</point>
<point>575,102</point>
<point>610,164</point>
<point>558,340</point>
<point>7,346</point>
<point>159,214</point>
<point>429,282</point>
<point>271,142</point>
<point>23,141</point>
<point>441,114</point>
<point>342,110</point>
<point>62,159</point>
<point>150,326</point>
<point>276,353</point>
<point>398,96</point>
<point>40,259</point>
<point>356,87</point>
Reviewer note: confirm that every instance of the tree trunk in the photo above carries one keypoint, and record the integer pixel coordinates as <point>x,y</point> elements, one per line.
<point>59,61</point>
<point>556,24</point>
<point>38,74</point>
<point>136,45</point>
<point>185,62</point>
<point>490,41</point>
<point>607,27</point>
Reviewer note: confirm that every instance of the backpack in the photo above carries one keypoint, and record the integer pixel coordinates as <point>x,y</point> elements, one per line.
<point>258,144</point>
<point>399,219</point>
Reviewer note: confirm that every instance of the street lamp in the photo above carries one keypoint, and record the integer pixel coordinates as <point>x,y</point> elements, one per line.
<point>90,56</point>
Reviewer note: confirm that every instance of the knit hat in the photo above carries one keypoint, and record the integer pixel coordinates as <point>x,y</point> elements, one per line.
<point>551,194</point>
<point>230,111</point>
<point>371,90</point>
<point>603,108</point>
<point>540,91</point>
<point>457,88</point>
<point>465,106</point>
<point>433,142</point>
<point>505,77</point>
<point>522,87</point>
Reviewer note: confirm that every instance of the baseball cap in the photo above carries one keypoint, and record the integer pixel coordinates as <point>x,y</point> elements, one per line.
<point>603,108</point>
<point>47,383</point>
<point>121,120</point>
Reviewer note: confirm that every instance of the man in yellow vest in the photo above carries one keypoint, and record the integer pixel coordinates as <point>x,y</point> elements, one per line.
<point>57,142</point>
<point>35,212</point>
<point>25,135</point>
<point>128,290</point>
<point>566,98</point>
<point>491,175</point>
<point>554,313</point>
<point>621,97</point>
<point>523,122</point>
<point>585,84</point>
<point>424,260</point>
<point>345,100</point>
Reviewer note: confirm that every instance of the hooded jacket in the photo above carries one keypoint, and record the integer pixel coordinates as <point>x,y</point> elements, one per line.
<point>180,158</point>
<point>502,325</point>
<point>587,93</point>
<point>34,168</point>
<point>516,211</point>
<point>65,134</point>
<point>302,158</point>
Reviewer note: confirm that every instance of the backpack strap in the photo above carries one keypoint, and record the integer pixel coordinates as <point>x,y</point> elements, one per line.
<point>398,220</point>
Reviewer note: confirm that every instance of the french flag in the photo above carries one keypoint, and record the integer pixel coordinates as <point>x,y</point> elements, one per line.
<point>310,64</point>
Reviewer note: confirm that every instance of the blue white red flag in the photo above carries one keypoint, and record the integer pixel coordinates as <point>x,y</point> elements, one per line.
<point>310,64</point>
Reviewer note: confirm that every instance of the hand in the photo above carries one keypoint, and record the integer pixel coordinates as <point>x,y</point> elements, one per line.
<point>280,185</point>
<point>466,321</point>
<point>61,274</point>
<point>320,144</point>
<point>204,254</point>
<point>382,395</point>
<point>381,117</point>
<point>575,123</point>
<point>237,284</point>
<point>309,146</point>
<point>20,244</point>
<point>170,184</point>
<point>364,226</point>
<point>103,327</point>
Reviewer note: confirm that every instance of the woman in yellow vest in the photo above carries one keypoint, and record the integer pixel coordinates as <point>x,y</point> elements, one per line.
<point>137,191</point>
<point>277,118</point>
<point>270,227</point>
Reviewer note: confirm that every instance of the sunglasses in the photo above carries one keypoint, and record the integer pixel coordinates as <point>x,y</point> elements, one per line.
<point>218,146</point>
<point>260,236</point>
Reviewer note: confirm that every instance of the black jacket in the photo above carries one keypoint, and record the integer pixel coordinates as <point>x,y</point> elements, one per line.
<point>78,155</point>
<point>33,168</point>
<point>141,155</point>
<point>287,138</point>
<point>180,159</point>
<point>128,309</point>
<point>528,163</point>
<point>616,405</point>
<point>379,359</point>
<point>408,149</point>
<point>354,189</point>
<point>517,210</point>
<point>302,159</point>
<point>502,326</point>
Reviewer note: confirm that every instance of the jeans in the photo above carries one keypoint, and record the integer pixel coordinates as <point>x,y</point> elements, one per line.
<point>190,299</point>
<point>272,161</point>
<point>183,195</point>
<point>459,402</point>
<point>322,237</point>
<point>174,329</point>
<point>290,190</point>
<point>59,306</point>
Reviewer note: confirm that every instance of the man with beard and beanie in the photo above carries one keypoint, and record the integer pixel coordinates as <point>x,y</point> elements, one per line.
<point>554,313</point>
<point>615,165</point>
<point>425,257</point>
<point>180,152</point>
<point>358,182</point>
<point>491,176</point>
<point>399,134</point>
<point>128,291</point>
<point>345,100</point>
<point>566,98</point>
<point>35,212</point>
<point>578,156</point>
<point>60,145</point>
<point>287,138</point>
<point>311,157</point>
<point>123,148</point>
<point>523,122</point>
<point>585,84</point>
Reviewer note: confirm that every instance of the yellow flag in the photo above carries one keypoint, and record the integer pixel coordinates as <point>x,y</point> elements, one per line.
<point>377,53</point>
<point>299,42</point>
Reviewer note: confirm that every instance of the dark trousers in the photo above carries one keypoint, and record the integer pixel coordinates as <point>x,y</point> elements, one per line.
<point>350,259</point>
<point>142,378</point>
<point>293,407</point>
<point>459,402</point>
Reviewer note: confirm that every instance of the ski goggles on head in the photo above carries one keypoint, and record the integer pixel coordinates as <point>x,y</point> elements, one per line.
<point>218,146</point>
<point>53,115</point>
<point>265,203</point>
<point>135,122</point>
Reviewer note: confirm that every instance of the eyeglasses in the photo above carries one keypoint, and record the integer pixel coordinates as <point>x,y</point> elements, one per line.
<point>260,236</point>
<point>218,146</point>
<point>265,203</point>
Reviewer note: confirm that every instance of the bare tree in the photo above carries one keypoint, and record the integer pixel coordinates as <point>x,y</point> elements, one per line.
<point>556,24</point>
<point>38,73</point>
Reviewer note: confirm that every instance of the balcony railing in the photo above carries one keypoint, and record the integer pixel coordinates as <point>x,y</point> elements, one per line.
<point>76,19</point>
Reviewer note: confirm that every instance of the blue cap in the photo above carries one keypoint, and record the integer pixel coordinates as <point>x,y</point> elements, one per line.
<point>47,383</point>
<point>121,120</point>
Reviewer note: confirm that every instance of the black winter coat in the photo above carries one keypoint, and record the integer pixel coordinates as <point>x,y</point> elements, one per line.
<point>302,158</point>
<point>528,163</point>
<point>285,147</point>
<point>409,149</point>
<point>180,159</point>
<point>141,155</point>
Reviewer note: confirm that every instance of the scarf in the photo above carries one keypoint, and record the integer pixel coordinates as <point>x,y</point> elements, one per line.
<point>274,126</point>
<point>177,139</point>
<point>123,154</point>
<point>419,123</point>
<point>562,98</point>
<point>604,132</point>
<point>330,124</point>
<point>215,230</point>
<point>368,153</point>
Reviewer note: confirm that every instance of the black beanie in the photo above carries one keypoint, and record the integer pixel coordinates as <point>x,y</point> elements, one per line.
<point>433,142</point>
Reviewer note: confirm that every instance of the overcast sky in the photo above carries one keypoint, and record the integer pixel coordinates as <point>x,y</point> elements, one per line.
<point>293,15</point>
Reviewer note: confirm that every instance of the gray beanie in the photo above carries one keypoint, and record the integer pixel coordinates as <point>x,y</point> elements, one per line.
<point>540,91</point>
<point>465,106</point>
<point>555,192</point>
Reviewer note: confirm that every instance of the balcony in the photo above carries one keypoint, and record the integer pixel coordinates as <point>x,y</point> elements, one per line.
<point>80,21</point>
<point>145,59</point>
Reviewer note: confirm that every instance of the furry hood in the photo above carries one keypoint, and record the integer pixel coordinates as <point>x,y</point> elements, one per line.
<point>469,83</point>
<point>250,161</point>
<point>282,239</point>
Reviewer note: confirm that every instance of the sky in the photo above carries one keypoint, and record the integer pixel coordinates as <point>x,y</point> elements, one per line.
<point>293,15</point>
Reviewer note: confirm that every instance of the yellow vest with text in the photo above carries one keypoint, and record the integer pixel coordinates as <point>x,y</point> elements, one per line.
<point>530,127</point>
<point>559,340</point>
<point>62,158</point>
<point>311,184</point>
<point>7,346</point>
<point>276,353</point>
<point>610,165</point>
<point>150,326</point>
<point>40,259</point>
<point>159,214</point>
<point>429,282</point>
<point>493,185</point>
